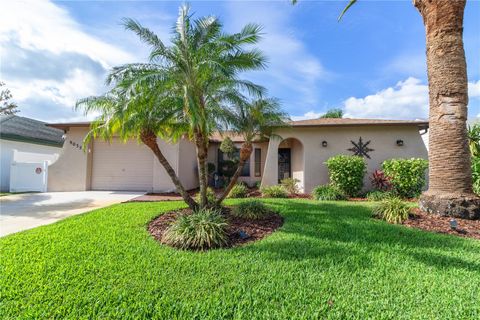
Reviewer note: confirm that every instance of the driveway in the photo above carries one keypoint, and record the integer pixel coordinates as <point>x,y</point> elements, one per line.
<point>29,210</point>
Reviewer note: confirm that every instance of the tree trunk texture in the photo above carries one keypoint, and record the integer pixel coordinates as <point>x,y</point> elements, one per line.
<point>150,140</point>
<point>202,152</point>
<point>245,152</point>
<point>450,187</point>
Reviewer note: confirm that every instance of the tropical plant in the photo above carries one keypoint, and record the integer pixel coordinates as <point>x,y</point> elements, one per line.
<point>379,195</point>
<point>240,190</point>
<point>206,229</point>
<point>333,113</point>
<point>346,173</point>
<point>476,174</point>
<point>201,68</point>
<point>407,176</point>
<point>393,210</point>
<point>143,116</point>
<point>252,209</point>
<point>254,121</point>
<point>380,181</point>
<point>274,192</point>
<point>291,185</point>
<point>327,192</point>
<point>474,139</point>
<point>450,173</point>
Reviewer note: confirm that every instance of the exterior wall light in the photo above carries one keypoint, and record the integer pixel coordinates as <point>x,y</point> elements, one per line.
<point>324,143</point>
<point>400,142</point>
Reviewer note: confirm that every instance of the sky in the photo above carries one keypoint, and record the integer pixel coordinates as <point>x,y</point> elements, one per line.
<point>371,64</point>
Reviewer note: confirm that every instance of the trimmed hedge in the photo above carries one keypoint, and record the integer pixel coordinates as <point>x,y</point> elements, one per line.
<point>407,176</point>
<point>346,173</point>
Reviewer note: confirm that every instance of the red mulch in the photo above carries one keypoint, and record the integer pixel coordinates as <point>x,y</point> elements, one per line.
<point>435,223</point>
<point>255,229</point>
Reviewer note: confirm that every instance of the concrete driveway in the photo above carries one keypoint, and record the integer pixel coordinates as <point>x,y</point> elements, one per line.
<point>29,210</point>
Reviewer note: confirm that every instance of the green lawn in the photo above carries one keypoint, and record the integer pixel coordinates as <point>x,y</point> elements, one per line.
<point>329,260</point>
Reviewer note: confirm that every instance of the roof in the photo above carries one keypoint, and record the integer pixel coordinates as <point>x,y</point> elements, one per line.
<point>320,122</point>
<point>66,125</point>
<point>218,137</point>
<point>330,122</point>
<point>28,130</point>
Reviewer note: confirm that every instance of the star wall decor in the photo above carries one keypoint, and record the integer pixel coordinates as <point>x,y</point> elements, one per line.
<point>361,149</point>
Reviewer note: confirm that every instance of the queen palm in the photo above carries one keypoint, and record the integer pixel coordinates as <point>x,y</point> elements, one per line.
<point>146,117</point>
<point>450,177</point>
<point>253,120</point>
<point>201,68</point>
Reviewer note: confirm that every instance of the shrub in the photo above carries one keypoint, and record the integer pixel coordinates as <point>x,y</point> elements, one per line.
<point>346,173</point>
<point>253,209</point>
<point>378,195</point>
<point>406,175</point>
<point>274,192</point>
<point>476,174</point>
<point>380,181</point>
<point>238,191</point>
<point>291,185</point>
<point>327,193</point>
<point>392,210</point>
<point>204,229</point>
<point>211,196</point>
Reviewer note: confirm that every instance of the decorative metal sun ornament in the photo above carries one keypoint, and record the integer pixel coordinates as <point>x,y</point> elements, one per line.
<point>361,149</point>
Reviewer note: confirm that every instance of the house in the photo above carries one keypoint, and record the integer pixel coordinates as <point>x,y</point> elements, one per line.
<point>25,140</point>
<point>300,153</point>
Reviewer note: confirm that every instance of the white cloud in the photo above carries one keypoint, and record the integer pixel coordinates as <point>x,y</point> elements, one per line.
<point>474,89</point>
<point>49,61</point>
<point>308,115</point>
<point>291,67</point>
<point>406,100</point>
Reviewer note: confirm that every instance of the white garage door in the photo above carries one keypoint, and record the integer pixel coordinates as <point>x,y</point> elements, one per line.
<point>122,166</point>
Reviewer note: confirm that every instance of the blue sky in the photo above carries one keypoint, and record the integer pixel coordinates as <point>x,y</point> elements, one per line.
<point>372,64</point>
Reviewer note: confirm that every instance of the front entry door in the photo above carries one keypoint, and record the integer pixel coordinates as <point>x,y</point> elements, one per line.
<point>284,163</point>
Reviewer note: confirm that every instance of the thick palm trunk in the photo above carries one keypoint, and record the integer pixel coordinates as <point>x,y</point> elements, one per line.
<point>202,153</point>
<point>450,189</point>
<point>245,152</point>
<point>150,140</point>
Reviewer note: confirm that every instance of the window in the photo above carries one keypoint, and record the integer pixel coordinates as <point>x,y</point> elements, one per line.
<point>246,169</point>
<point>258,162</point>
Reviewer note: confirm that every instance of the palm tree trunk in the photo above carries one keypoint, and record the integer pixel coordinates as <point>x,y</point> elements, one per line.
<point>202,153</point>
<point>245,152</point>
<point>450,189</point>
<point>150,140</point>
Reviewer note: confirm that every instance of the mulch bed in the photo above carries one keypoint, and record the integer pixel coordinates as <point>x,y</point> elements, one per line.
<point>435,223</point>
<point>255,229</point>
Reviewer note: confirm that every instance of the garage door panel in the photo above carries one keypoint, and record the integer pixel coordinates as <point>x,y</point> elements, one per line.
<point>122,166</point>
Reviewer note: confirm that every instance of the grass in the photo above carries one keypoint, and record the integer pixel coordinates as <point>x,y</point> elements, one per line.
<point>329,260</point>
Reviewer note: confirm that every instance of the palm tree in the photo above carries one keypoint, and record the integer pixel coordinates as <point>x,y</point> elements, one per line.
<point>253,121</point>
<point>145,117</point>
<point>450,176</point>
<point>201,67</point>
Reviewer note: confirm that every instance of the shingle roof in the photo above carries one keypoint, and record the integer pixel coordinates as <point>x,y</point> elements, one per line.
<point>320,122</point>
<point>29,130</point>
<point>356,122</point>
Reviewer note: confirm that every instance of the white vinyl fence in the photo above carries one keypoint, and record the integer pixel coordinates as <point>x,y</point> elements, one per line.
<point>28,176</point>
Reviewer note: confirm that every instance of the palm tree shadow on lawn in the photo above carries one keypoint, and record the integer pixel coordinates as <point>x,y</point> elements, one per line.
<point>330,232</point>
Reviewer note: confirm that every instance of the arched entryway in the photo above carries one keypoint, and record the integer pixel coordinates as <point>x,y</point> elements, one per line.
<point>291,163</point>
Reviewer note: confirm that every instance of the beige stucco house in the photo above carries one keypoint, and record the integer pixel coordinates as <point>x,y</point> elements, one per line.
<point>300,153</point>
